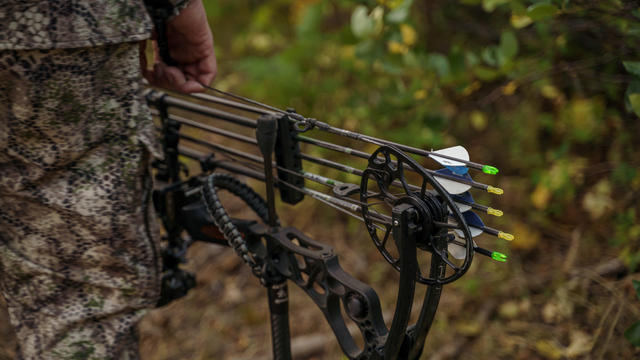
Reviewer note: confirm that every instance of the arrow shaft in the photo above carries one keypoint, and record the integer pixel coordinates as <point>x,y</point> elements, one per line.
<point>318,124</point>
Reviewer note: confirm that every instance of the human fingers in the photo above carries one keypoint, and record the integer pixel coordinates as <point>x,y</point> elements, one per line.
<point>208,69</point>
<point>158,76</point>
<point>203,70</point>
<point>177,80</point>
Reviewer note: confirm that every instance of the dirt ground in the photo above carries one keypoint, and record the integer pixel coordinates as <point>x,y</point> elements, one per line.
<point>553,304</point>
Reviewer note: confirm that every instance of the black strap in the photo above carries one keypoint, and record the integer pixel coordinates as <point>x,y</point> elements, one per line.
<point>161,11</point>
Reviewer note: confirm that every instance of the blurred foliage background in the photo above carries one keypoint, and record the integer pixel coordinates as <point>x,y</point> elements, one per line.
<point>546,90</point>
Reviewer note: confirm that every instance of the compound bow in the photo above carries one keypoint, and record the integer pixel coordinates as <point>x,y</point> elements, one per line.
<point>424,211</point>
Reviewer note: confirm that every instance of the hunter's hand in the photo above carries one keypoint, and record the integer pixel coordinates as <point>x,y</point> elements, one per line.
<point>190,44</point>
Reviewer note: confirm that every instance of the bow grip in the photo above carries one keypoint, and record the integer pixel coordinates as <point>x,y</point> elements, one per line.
<point>266,134</point>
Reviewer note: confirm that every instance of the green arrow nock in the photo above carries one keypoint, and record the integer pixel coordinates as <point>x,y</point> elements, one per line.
<point>488,169</point>
<point>499,256</point>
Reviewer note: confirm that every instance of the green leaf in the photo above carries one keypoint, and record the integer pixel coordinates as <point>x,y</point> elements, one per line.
<point>633,334</point>
<point>517,8</point>
<point>634,100</point>
<point>633,67</point>
<point>633,88</point>
<point>490,5</point>
<point>541,11</point>
<point>488,55</point>
<point>508,45</point>
<point>400,14</point>
<point>486,74</point>
<point>439,63</point>
<point>636,285</point>
<point>361,24</point>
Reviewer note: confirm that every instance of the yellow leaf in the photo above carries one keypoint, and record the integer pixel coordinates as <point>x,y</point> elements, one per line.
<point>469,328</point>
<point>409,35</point>
<point>348,51</point>
<point>526,237</point>
<point>549,349</point>
<point>420,94</point>
<point>397,48</point>
<point>478,120</point>
<point>510,88</point>
<point>598,201</point>
<point>634,99</point>
<point>520,21</point>
<point>581,344</point>
<point>473,87</point>
<point>550,92</point>
<point>509,310</point>
<point>540,197</point>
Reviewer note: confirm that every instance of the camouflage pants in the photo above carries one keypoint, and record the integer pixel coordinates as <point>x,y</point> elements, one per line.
<point>79,260</point>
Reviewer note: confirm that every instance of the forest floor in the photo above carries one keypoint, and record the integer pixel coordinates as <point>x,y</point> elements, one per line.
<point>571,300</point>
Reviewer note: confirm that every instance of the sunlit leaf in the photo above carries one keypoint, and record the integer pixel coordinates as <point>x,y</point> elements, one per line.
<point>478,120</point>
<point>409,35</point>
<point>581,344</point>
<point>395,47</point>
<point>550,92</point>
<point>400,13</point>
<point>598,201</point>
<point>361,24</point>
<point>510,88</point>
<point>634,100</point>
<point>540,196</point>
<point>520,21</point>
<point>633,67</point>
<point>526,237</point>
<point>490,5</point>
<point>549,349</point>
<point>541,11</point>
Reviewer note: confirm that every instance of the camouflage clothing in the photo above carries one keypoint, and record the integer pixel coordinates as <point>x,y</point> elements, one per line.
<point>78,260</point>
<point>58,24</point>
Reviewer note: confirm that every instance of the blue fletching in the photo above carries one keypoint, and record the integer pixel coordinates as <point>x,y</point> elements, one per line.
<point>459,170</point>
<point>473,219</point>
<point>448,171</point>
<point>464,197</point>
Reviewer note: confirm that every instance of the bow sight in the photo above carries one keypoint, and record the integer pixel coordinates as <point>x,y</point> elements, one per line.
<point>409,211</point>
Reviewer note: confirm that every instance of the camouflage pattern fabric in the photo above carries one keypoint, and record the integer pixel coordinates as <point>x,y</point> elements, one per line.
<point>57,24</point>
<point>79,258</point>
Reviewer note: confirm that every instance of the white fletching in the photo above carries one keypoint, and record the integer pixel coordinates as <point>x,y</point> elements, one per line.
<point>452,187</point>
<point>461,207</point>
<point>474,232</point>
<point>458,152</point>
<point>457,251</point>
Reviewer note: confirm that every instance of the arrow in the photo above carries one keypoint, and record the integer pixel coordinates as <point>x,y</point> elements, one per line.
<point>465,201</point>
<point>446,177</point>
<point>308,123</point>
<point>477,227</point>
<point>457,251</point>
<point>457,184</point>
